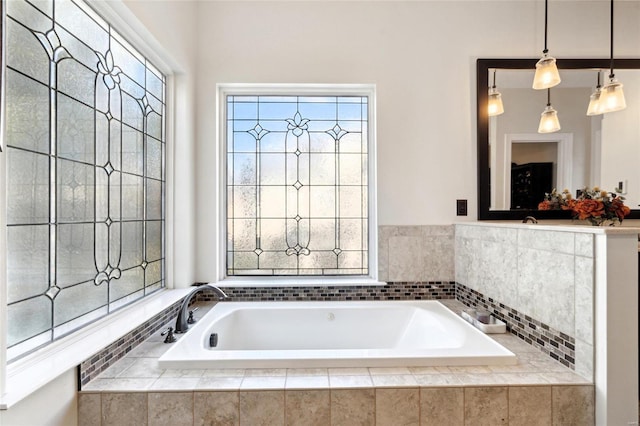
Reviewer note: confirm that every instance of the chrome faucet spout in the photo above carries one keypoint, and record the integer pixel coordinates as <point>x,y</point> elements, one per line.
<point>529,219</point>
<point>181,322</point>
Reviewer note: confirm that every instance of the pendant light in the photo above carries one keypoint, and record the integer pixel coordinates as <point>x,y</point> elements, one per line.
<point>495,99</point>
<point>594,100</point>
<point>612,96</point>
<point>549,122</point>
<point>546,70</point>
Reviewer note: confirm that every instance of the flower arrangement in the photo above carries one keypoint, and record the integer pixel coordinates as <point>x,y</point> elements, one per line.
<point>594,205</point>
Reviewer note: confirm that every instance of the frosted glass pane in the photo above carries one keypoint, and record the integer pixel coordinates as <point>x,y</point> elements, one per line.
<point>350,169</point>
<point>244,169</point>
<point>129,64</point>
<point>272,235</point>
<point>75,192</point>
<point>155,85</point>
<point>131,112</point>
<point>76,81</point>
<point>23,12</point>
<point>132,280</point>
<point>27,113</point>
<point>244,234</point>
<point>272,201</point>
<point>323,234</point>
<point>323,201</point>
<point>272,142</point>
<point>102,140</point>
<point>244,201</point>
<point>154,125</point>
<point>351,259</point>
<point>115,189</point>
<point>25,53</point>
<point>131,244</point>
<point>81,25</point>
<point>79,51</point>
<point>272,169</point>
<point>319,259</point>
<point>351,201</point>
<point>134,89</point>
<point>277,260</point>
<point>28,187</point>
<point>132,151</point>
<point>115,144</point>
<point>153,273</point>
<point>154,159</point>
<point>75,130</point>
<point>27,261</point>
<point>78,300</point>
<point>352,143</point>
<point>323,169</point>
<point>321,142</point>
<point>154,240</point>
<point>132,197</point>
<point>245,261</point>
<point>102,246</point>
<point>154,199</point>
<point>350,234</point>
<point>101,195</point>
<point>115,237</point>
<point>28,318</point>
<point>74,263</point>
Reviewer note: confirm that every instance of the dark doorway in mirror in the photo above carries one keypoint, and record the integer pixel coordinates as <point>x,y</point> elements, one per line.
<point>529,183</point>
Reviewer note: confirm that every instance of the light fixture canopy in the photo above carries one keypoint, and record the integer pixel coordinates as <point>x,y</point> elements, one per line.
<point>549,121</point>
<point>495,106</point>
<point>547,74</point>
<point>612,96</point>
<point>595,105</point>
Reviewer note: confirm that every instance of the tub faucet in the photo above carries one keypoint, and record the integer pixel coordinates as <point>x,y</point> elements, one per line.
<point>529,219</point>
<point>181,321</point>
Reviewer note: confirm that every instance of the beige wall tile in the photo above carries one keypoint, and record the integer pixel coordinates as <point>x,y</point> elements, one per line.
<point>216,408</point>
<point>307,407</point>
<point>353,407</point>
<point>486,406</point>
<point>397,406</point>
<point>405,258</point>
<point>262,408</point>
<point>441,406</point>
<point>530,406</point>
<point>170,408</point>
<point>89,409</point>
<point>122,409</point>
<point>573,405</point>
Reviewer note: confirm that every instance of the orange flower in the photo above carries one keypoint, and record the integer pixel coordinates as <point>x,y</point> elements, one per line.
<point>588,208</point>
<point>619,209</point>
<point>544,205</point>
<point>570,204</point>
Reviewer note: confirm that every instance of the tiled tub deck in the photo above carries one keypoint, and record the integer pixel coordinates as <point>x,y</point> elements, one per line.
<point>536,391</point>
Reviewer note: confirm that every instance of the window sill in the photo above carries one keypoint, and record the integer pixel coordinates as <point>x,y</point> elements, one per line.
<point>32,372</point>
<point>298,282</point>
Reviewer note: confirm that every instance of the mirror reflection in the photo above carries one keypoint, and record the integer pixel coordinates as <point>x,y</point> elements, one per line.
<point>520,164</point>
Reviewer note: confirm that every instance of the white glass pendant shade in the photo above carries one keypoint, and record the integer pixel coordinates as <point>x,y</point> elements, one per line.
<point>612,97</point>
<point>549,122</point>
<point>495,103</point>
<point>547,74</point>
<point>594,103</point>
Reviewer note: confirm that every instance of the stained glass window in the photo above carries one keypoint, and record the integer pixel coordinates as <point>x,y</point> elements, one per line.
<point>297,188</point>
<point>85,171</point>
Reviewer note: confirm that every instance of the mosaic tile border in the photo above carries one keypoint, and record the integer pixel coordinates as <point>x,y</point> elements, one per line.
<point>554,343</point>
<point>392,291</point>
<point>92,367</point>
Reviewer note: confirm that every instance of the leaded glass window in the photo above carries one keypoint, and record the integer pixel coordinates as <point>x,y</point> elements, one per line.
<point>297,185</point>
<point>85,171</point>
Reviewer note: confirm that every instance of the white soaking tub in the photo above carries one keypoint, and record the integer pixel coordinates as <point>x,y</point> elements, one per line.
<point>332,334</point>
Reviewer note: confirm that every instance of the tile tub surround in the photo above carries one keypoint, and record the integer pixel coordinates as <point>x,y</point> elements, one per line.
<point>554,343</point>
<point>543,273</point>
<point>136,391</point>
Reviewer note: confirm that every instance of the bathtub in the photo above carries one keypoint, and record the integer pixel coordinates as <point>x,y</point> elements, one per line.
<point>332,334</point>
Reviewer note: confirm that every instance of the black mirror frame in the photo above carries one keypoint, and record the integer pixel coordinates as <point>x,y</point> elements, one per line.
<point>482,79</point>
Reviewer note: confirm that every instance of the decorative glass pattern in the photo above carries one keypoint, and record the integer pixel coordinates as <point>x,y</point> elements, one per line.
<point>85,171</point>
<point>297,185</point>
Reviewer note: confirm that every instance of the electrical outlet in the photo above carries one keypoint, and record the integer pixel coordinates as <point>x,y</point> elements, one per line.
<point>622,187</point>
<point>461,207</point>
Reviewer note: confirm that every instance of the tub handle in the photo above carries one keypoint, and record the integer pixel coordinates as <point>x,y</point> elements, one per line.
<point>170,336</point>
<point>191,319</point>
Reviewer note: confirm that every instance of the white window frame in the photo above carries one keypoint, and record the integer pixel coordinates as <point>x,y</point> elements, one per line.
<point>232,89</point>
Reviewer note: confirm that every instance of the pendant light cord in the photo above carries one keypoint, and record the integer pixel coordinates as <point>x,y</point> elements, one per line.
<point>545,51</point>
<point>548,97</point>
<point>494,79</point>
<point>611,75</point>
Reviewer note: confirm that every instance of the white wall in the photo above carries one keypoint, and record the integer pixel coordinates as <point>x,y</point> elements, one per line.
<point>53,405</point>
<point>421,56</point>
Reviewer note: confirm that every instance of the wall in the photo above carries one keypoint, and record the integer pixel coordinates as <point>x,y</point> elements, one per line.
<point>54,404</point>
<point>420,55</point>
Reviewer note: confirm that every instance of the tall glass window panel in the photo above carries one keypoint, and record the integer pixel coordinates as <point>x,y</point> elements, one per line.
<point>85,171</point>
<point>297,185</point>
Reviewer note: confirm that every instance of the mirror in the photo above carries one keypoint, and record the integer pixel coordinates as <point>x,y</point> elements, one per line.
<point>517,165</point>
